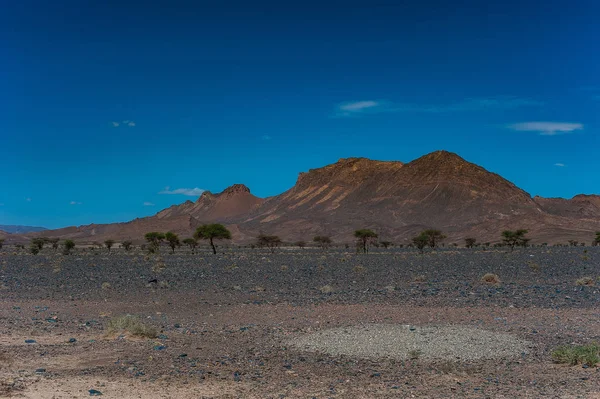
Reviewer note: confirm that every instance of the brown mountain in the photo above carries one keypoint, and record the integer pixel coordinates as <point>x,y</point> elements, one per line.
<point>231,202</point>
<point>579,207</point>
<point>439,190</point>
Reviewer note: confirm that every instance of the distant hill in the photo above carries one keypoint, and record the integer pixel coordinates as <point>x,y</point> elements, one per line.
<point>14,229</point>
<point>397,200</point>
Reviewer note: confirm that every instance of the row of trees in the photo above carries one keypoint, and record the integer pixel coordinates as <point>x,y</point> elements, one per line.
<point>211,232</point>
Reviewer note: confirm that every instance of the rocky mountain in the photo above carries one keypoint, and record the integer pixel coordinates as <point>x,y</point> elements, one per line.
<point>14,229</point>
<point>439,190</point>
<point>231,202</point>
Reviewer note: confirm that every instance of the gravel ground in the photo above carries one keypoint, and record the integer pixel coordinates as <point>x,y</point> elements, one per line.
<point>402,342</point>
<point>228,323</point>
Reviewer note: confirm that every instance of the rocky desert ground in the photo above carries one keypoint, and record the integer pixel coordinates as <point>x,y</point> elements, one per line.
<point>298,323</point>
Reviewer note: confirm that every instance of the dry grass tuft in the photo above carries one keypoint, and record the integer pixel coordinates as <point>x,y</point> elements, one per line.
<point>326,289</point>
<point>585,281</point>
<point>106,286</point>
<point>131,325</point>
<point>490,278</point>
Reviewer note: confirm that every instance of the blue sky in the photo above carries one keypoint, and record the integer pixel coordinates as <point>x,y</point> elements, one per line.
<point>106,106</point>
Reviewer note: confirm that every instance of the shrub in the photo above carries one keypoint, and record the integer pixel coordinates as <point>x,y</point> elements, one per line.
<point>271,242</point>
<point>109,243</point>
<point>300,244</point>
<point>154,239</point>
<point>326,289</point>
<point>491,279</point>
<point>470,242</point>
<point>132,325</point>
<point>192,243</point>
<point>577,354</point>
<point>585,281</point>
<point>34,249</point>
<point>420,241</point>
<point>69,245</point>
<point>434,237</point>
<point>323,241</point>
<point>1,242</point>
<point>127,245</point>
<point>515,238</point>
<point>172,240</point>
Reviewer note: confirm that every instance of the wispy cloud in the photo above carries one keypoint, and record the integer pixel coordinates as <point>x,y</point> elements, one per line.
<point>192,192</point>
<point>74,203</point>
<point>124,123</point>
<point>148,203</point>
<point>467,104</point>
<point>560,165</point>
<point>547,128</point>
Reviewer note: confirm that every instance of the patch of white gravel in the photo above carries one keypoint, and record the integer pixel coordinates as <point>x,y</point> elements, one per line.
<point>456,343</point>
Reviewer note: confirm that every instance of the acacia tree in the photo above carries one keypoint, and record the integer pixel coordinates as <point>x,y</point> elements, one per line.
<point>39,242</point>
<point>270,242</point>
<point>323,241</point>
<point>1,242</point>
<point>109,243</point>
<point>154,239</point>
<point>515,238</point>
<point>470,242</point>
<point>421,241</point>
<point>365,237</point>
<point>172,240</point>
<point>127,245</point>
<point>191,242</point>
<point>434,237</point>
<point>212,232</point>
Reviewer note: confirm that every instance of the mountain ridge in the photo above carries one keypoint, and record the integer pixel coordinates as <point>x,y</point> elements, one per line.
<point>440,190</point>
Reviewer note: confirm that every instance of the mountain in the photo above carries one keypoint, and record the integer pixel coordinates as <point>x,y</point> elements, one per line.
<point>439,190</point>
<point>579,207</point>
<point>14,229</point>
<point>231,202</point>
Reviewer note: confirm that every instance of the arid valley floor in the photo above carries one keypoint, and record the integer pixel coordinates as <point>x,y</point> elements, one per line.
<point>298,323</point>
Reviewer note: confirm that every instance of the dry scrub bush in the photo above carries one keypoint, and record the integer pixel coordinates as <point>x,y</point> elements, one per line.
<point>132,325</point>
<point>585,281</point>
<point>490,278</point>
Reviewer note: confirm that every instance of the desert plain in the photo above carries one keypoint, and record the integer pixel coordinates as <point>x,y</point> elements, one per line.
<point>298,323</point>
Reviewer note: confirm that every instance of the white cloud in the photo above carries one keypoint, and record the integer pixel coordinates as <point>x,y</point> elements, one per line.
<point>74,203</point>
<point>467,104</point>
<point>124,123</point>
<point>547,128</point>
<point>560,165</point>
<point>148,203</point>
<point>192,192</point>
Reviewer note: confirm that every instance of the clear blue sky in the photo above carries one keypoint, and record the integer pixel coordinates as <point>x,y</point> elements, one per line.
<point>103,104</point>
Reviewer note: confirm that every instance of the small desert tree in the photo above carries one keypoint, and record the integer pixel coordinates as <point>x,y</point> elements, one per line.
<point>54,243</point>
<point>127,245</point>
<point>265,241</point>
<point>172,240</point>
<point>68,246</point>
<point>470,242</point>
<point>323,241</point>
<point>421,241</point>
<point>1,242</point>
<point>300,244</point>
<point>154,239</point>
<point>515,238</point>
<point>212,232</point>
<point>435,236</point>
<point>365,238</point>
<point>39,242</point>
<point>386,244</point>
<point>109,243</point>
<point>192,243</point>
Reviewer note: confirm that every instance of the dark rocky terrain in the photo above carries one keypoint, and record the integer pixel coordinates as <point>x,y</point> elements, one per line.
<point>225,321</point>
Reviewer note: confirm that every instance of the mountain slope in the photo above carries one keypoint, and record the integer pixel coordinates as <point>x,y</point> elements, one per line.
<point>15,229</point>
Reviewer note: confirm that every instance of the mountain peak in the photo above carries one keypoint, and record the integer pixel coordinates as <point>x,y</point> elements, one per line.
<point>235,189</point>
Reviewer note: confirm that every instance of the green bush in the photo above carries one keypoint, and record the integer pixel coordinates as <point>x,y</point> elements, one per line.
<point>577,354</point>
